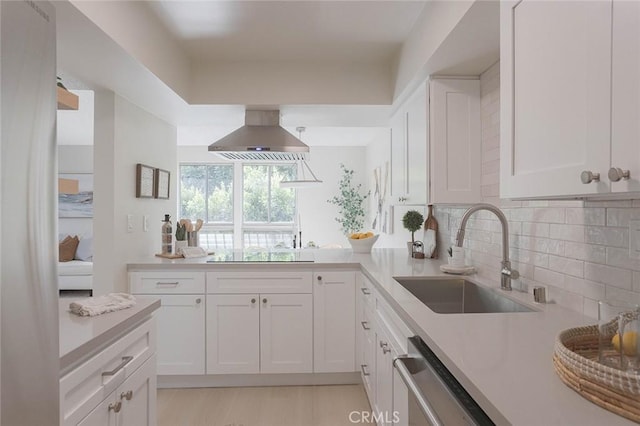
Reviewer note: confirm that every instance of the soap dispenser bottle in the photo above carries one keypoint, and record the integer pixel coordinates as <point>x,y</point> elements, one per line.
<point>167,235</point>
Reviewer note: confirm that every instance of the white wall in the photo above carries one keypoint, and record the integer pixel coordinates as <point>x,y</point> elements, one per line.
<point>316,214</point>
<point>126,135</point>
<point>75,127</point>
<point>579,250</point>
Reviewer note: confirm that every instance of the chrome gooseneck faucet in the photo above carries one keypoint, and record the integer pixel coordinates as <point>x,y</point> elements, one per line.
<point>506,273</point>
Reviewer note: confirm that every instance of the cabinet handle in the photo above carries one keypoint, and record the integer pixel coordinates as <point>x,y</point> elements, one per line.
<point>115,407</point>
<point>319,278</point>
<point>171,284</point>
<point>402,199</point>
<point>588,176</point>
<point>363,367</point>
<point>365,325</point>
<point>264,300</point>
<point>198,301</point>
<point>365,290</point>
<point>125,360</point>
<point>616,173</point>
<point>127,395</point>
<point>253,301</point>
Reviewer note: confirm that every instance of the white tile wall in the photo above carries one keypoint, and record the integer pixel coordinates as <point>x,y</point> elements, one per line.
<point>578,250</point>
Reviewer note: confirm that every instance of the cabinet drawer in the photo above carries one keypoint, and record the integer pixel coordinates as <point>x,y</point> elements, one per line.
<point>232,282</point>
<point>166,282</point>
<point>82,389</point>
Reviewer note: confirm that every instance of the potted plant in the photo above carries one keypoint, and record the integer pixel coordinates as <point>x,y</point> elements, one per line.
<point>412,221</point>
<point>181,236</point>
<point>350,201</point>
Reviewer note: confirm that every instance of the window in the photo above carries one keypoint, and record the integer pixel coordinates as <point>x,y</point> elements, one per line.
<point>206,192</point>
<point>265,217</point>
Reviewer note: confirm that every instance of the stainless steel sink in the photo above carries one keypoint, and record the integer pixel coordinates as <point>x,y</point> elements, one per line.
<point>459,296</point>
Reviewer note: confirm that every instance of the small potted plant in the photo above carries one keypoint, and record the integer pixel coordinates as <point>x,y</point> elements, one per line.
<point>412,221</point>
<point>181,236</point>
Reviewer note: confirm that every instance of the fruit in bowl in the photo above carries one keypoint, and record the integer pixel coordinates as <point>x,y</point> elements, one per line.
<point>362,242</point>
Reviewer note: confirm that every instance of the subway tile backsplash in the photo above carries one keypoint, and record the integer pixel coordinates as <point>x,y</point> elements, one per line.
<point>579,250</point>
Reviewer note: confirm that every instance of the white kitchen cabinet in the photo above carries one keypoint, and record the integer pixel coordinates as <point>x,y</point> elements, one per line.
<point>384,355</point>
<point>285,339</point>
<point>181,318</point>
<point>233,333</point>
<point>455,141</point>
<point>259,333</point>
<point>138,397</point>
<point>181,334</point>
<point>103,414</point>
<point>625,114</point>
<point>334,321</point>
<point>556,97</point>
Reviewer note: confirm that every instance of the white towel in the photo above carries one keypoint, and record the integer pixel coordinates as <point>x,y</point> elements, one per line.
<point>92,306</point>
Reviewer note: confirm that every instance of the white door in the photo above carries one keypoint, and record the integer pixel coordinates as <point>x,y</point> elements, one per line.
<point>398,155</point>
<point>138,396</point>
<point>455,141</point>
<point>104,414</point>
<point>555,97</point>
<point>625,114</point>
<point>334,321</point>
<point>233,334</point>
<point>417,142</point>
<point>286,333</point>
<point>181,334</point>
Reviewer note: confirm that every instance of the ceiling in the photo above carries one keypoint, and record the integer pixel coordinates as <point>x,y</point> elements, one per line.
<point>310,31</point>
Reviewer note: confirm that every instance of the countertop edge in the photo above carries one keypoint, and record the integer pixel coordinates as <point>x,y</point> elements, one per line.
<point>89,348</point>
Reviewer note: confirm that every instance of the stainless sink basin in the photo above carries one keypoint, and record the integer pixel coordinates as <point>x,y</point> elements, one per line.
<point>459,296</point>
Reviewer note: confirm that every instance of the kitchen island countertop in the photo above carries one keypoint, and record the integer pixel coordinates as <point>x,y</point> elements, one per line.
<point>502,359</point>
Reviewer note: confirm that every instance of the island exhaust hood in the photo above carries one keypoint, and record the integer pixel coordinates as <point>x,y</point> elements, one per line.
<point>261,138</point>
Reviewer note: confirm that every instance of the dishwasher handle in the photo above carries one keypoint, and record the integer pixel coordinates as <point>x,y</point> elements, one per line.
<point>423,402</point>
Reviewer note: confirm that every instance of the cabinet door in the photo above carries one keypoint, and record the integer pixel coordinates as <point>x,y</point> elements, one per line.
<point>400,397</point>
<point>398,155</point>
<point>384,377</point>
<point>233,334</point>
<point>368,354</point>
<point>181,334</point>
<point>334,322</point>
<point>455,141</point>
<point>555,97</point>
<point>103,414</point>
<point>286,333</point>
<point>625,127</point>
<point>138,396</point>
<point>417,141</point>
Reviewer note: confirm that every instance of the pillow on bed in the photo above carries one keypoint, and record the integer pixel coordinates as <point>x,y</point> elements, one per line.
<point>84,251</point>
<point>67,249</point>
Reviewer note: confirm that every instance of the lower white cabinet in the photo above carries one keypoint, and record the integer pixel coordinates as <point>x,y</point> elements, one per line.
<point>181,334</point>
<point>334,302</point>
<point>259,333</point>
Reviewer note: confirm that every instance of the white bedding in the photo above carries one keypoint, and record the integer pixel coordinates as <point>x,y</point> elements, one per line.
<point>75,275</point>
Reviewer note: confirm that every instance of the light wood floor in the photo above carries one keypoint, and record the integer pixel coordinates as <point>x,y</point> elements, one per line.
<point>262,406</point>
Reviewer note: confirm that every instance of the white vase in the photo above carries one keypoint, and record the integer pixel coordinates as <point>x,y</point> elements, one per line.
<point>410,248</point>
<point>179,246</point>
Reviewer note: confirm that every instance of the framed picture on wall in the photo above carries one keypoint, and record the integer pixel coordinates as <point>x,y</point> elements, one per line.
<point>145,181</point>
<point>162,184</point>
<point>75,195</point>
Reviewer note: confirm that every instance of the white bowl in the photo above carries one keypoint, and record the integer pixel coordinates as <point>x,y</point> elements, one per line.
<point>364,245</point>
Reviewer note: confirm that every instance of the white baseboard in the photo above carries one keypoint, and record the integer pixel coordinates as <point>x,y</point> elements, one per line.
<point>237,380</point>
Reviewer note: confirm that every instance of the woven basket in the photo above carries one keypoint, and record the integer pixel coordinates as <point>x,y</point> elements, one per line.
<point>575,360</point>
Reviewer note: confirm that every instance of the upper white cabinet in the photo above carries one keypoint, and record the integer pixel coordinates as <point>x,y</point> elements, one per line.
<point>436,144</point>
<point>455,141</point>
<point>569,98</point>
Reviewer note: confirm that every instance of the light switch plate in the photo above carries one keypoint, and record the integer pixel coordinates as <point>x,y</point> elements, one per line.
<point>129,223</point>
<point>634,239</point>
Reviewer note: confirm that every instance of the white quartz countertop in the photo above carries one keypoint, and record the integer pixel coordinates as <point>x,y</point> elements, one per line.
<point>81,337</point>
<point>502,359</point>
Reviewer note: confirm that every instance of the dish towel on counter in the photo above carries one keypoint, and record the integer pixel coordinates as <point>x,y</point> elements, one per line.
<point>92,306</point>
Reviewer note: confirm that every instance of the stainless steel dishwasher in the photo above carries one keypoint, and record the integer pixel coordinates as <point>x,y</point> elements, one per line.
<point>435,397</point>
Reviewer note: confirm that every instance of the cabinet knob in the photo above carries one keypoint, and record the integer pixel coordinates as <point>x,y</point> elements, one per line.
<point>127,395</point>
<point>402,199</point>
<point>616,173</point>
<point>116,407</point>
<point>319,278</point>
<point>385,347</point>
<point>198,301</point>
<point>264,300</point>
<point>253,301</point>
<point>588,176</point>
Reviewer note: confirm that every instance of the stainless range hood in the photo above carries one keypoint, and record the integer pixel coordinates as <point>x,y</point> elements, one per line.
<point>261,138</point>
